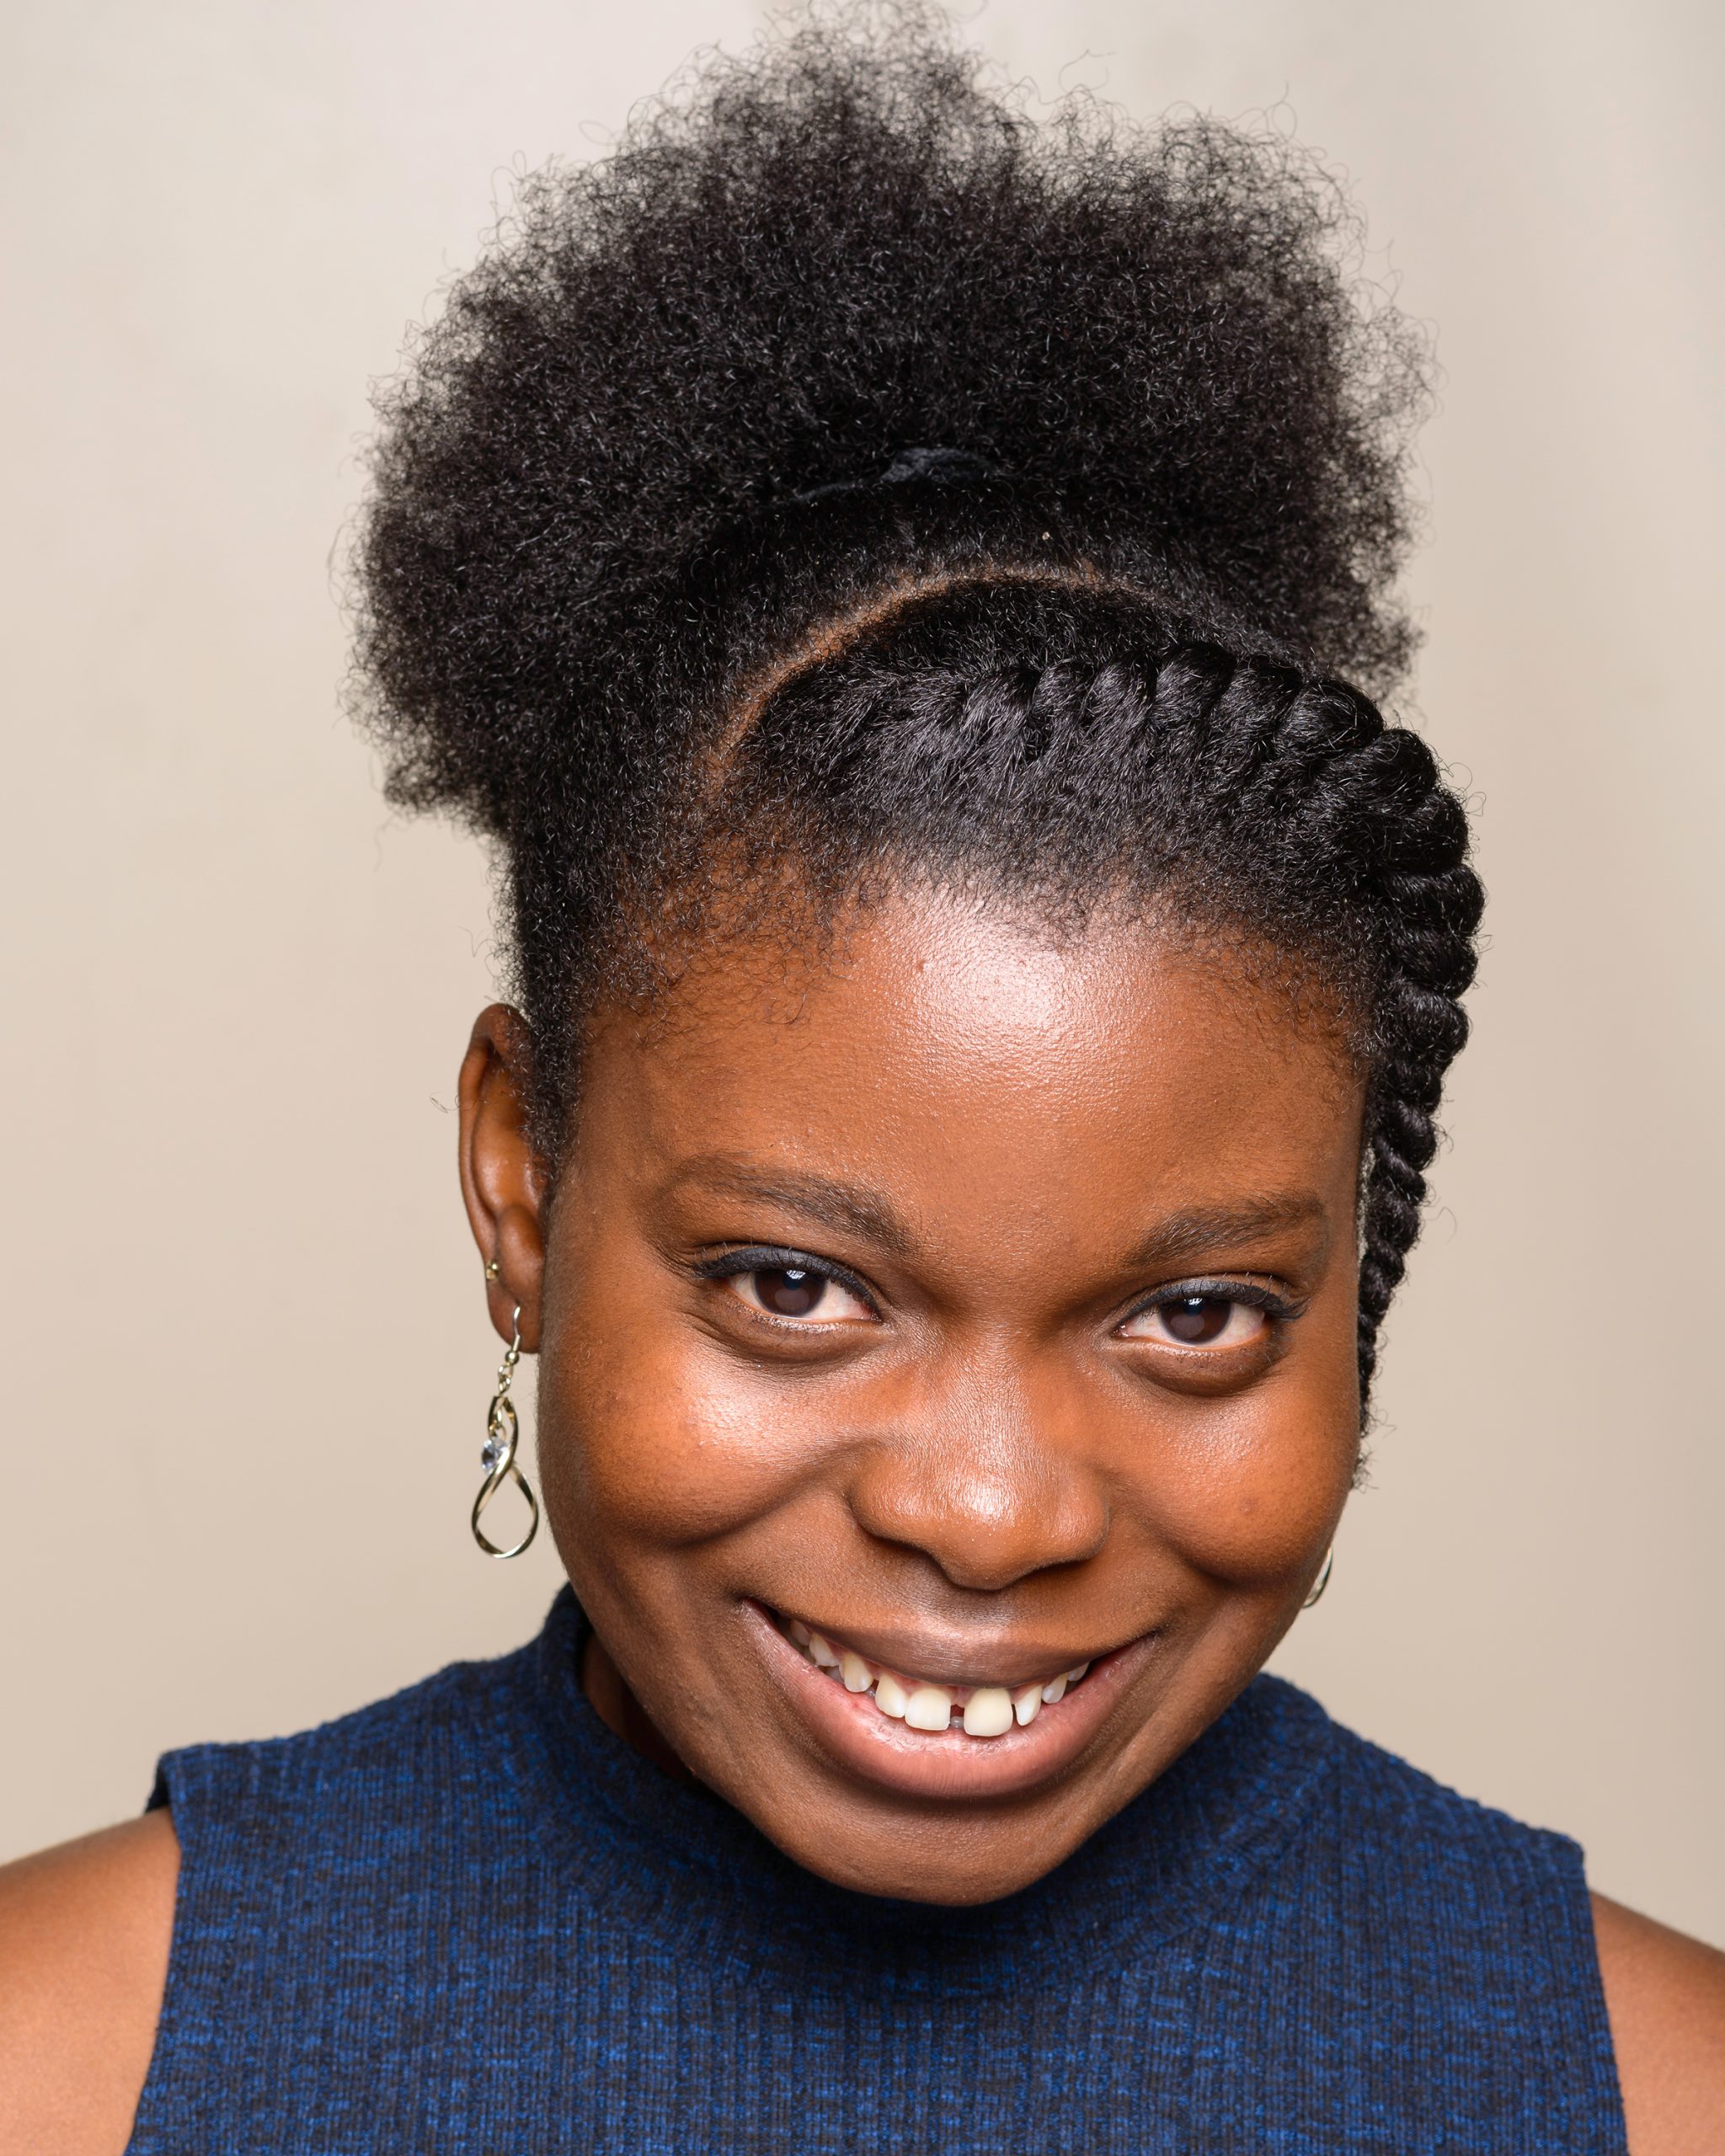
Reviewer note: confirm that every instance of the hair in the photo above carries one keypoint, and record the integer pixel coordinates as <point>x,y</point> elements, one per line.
<point>851,474</point>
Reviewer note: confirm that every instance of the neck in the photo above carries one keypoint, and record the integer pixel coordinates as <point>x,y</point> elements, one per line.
<point>621,1712</point>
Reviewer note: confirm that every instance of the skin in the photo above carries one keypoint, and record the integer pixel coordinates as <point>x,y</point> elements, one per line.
<point>981,1478</point>
<point>981,1459</point>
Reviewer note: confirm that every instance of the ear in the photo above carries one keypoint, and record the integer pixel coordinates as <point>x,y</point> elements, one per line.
<point>504,1181</point>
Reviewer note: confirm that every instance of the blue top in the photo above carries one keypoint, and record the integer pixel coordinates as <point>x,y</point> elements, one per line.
<point>470,1919</point>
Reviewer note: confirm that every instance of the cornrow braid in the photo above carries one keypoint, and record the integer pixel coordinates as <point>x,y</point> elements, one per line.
<point>1368,804</point>
<point>1371,799</point>
<point>1054,739</point>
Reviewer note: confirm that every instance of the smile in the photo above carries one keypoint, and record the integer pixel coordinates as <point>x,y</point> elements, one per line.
<point>885,1722</point>
<point>980,1710</point>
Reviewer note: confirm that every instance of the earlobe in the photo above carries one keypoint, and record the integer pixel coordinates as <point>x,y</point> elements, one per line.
<point>504,1182</point>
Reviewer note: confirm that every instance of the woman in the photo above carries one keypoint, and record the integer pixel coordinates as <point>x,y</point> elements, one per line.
<point>903,591</point>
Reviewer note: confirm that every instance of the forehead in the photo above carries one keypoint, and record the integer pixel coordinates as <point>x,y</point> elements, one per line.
<point>959,1056</point>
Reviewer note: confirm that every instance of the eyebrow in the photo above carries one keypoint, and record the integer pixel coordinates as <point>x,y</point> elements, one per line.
<point>1203,1229</point>
<point>864,1212</point>
<point>1193,1233</point>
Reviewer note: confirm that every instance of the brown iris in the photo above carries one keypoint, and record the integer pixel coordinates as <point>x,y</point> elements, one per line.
<point>790,1290</point>
<point>1195,1321</point>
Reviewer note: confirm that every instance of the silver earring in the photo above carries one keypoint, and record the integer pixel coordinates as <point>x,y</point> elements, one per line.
<point>503,1434</point>
<point>1323,1580</point>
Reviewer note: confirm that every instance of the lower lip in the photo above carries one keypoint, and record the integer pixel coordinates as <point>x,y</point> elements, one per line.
<point>944,1764</point>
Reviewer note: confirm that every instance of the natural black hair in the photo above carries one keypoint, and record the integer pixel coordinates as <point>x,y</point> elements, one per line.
<point>851,471</point>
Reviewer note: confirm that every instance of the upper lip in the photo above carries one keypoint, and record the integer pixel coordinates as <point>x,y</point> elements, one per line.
<point>950,1657</point>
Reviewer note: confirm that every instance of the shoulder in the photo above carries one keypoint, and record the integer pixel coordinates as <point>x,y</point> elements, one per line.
<point>1522,1886</point>
<point>88,1930</point>
<point>1663,1993</point>
<point>1665,1996</point>
<point>272,1807</point>
<point>85,1930</point>
<point>1394,1817</point>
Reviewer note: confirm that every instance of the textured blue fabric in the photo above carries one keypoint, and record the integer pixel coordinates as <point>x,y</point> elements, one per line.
<point>470,1920</point>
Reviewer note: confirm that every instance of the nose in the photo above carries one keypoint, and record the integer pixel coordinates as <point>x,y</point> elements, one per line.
<point>985,1476</point>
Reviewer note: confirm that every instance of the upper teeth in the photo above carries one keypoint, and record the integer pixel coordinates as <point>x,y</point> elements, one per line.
<point>982,1710</point>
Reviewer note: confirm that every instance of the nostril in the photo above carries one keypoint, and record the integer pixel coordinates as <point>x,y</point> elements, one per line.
<point>983,1532</point>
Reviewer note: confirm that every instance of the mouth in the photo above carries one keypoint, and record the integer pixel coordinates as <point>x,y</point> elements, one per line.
<point>980,1710</point>
<point>922,1736</point>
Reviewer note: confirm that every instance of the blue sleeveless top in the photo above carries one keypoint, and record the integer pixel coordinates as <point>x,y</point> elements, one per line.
<point>469,1919</point>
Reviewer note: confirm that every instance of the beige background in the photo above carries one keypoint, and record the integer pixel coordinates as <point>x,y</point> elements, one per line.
<point>244,1335</point>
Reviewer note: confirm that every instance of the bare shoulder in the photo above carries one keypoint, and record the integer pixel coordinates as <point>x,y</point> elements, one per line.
<point>1665,1994</point>
<point>84,1934</point>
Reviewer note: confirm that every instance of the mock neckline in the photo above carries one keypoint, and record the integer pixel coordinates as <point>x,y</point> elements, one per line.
<point>688,1861</point>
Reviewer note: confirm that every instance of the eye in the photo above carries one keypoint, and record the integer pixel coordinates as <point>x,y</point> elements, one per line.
<point>798,1291</point>
<point>1208,1320</point>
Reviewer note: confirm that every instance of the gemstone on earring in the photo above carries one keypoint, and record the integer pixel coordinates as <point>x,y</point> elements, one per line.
<point>490,1453</point>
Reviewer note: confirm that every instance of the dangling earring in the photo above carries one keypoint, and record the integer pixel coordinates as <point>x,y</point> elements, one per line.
<point>503,1433</point>
<point>1323,1580</point>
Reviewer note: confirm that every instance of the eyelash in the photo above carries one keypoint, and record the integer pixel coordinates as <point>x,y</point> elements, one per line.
<point>770,1257</point>
<point>765,1257</point>
<point>1278,1307</point>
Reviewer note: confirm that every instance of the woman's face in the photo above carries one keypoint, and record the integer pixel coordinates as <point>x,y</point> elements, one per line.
<point>917,1333</point>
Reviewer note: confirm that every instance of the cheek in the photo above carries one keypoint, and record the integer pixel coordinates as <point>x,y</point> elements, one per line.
<point>1243,1494</point>
<point>651,1436</point>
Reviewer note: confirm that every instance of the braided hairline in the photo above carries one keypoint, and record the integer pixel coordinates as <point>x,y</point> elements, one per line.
<point>1422,1028</point>
<point>1402,1137</point>
<point>1427,912</point>
<point>1424,913</point>
<point>1387,802</point>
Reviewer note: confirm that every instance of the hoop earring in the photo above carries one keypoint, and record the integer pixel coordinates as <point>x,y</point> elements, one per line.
<point>1323,1580</point>
<point>497,1456</point>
